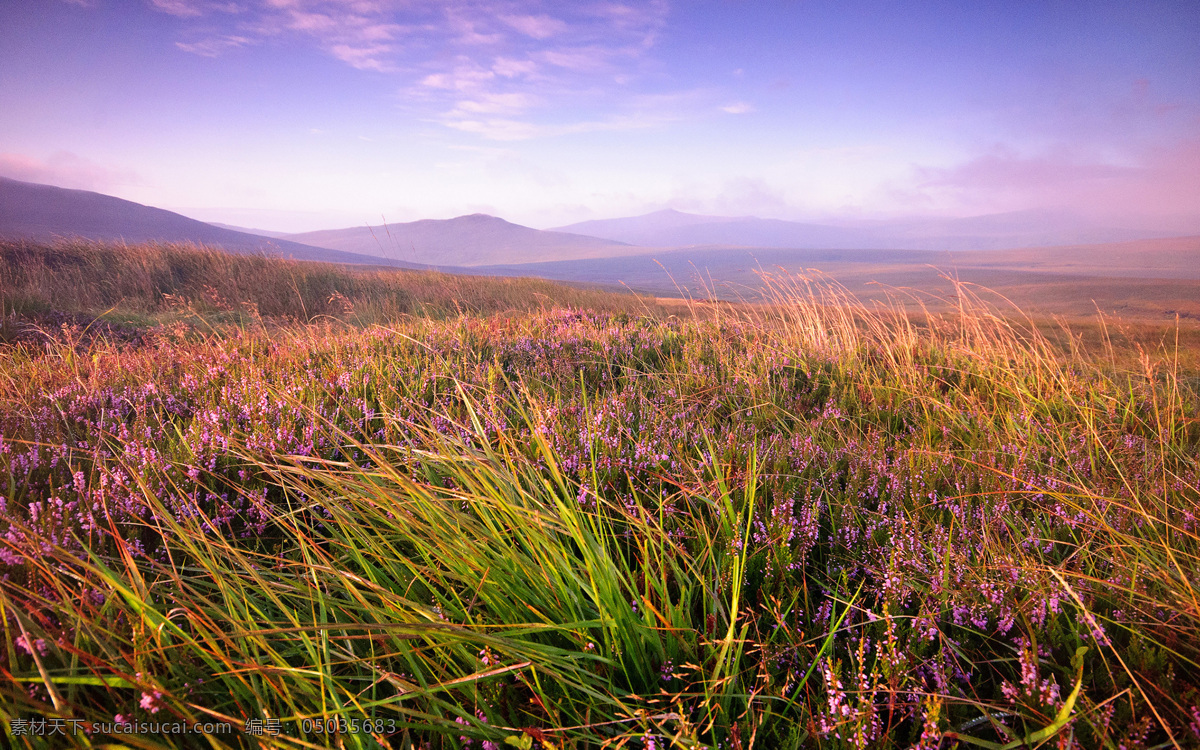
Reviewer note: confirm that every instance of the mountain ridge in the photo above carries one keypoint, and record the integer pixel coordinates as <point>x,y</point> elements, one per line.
<point>45,213</point>
<point>468,240</point>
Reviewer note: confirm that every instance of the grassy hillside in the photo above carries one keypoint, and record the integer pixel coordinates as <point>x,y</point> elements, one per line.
<point>147,284</point>
<point>42,213</point>
<point>809,524</point>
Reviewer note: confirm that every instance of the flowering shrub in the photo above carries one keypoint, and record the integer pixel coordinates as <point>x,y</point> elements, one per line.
<point>763,528</point>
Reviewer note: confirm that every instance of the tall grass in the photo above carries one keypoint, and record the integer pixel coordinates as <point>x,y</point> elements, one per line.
<point>814,523</point>
<point>146,283</point>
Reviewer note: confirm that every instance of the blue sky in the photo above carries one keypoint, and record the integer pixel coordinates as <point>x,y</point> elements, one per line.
<point>306,114</point>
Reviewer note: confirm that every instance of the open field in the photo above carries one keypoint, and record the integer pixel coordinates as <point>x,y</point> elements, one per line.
<point>489,513</point>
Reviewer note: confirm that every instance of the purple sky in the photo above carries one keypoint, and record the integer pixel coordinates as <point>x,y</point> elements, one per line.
<point>307,114</point>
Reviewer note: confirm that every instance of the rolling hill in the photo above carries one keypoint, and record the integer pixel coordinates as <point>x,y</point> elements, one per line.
<point>44,213</point>
<point>1143,277</point>
<point>476,239</point>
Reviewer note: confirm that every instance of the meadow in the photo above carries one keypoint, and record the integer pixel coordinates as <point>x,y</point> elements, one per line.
<point>401,509</point>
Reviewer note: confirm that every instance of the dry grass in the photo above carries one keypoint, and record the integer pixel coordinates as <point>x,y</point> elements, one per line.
<point>815,523</point>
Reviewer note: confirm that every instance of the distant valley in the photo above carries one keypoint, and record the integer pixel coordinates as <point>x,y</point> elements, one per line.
<point>989,232</point>
<point>1043,260</point>
<point>1155,278</point>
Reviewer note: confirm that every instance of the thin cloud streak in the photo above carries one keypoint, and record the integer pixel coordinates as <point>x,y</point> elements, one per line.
<point>214,47</point>
<point>180,8</point>
<point>537,27</point>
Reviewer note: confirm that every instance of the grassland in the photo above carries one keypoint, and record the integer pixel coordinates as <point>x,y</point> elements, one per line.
<point>1151,281</point>
<point>489,513</point>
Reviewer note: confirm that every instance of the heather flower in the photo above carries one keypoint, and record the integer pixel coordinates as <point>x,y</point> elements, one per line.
<point>931,735</point>
<point>23,643</point>
<point>667,673</point>
<point>152,701</point>
<point>466,741</point>
<point>1031,687</point>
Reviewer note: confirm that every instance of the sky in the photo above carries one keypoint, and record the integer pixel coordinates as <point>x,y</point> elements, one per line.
<point>296,115</point>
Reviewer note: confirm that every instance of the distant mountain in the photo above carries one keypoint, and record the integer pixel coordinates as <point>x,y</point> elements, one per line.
<point>477,239</point>
<point>988,232</point>
<point>44,213</point>
<point>642,230</point>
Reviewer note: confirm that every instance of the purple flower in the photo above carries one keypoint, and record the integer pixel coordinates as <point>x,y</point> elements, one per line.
<point>152,701</point>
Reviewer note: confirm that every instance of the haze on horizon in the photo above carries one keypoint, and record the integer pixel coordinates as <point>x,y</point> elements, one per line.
<point>297,115</point>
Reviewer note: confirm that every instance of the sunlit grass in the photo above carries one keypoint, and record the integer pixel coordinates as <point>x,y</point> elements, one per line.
<point>815,523</point>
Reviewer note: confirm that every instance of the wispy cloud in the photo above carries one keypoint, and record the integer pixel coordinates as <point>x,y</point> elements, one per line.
<point>215,46</point>
<point>643,20</point>
<point>466,76</point>
<point>364,57</point>
<point>738,108</point>
<point>592,58</point>
<point>472,65</point>
<point>538,27</point>
<point>188,8</point>
<point>469,30</point>
<point>494,103</point>
<point>360,33</point>
<point>181,8</point>
<point>511,68</point>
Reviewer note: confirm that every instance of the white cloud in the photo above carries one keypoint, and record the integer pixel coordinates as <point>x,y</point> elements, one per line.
<point>495,103</point>
<point>185,8</point>
<point>181,8</point>
<point>466,29</point>
<point>510,68</point>
<point>466,77</point>
<point>464,60</point>
<point>365,57</point>
<point>737,108</point>
<point>213,47</point>
<point>589,59</point>
<point>538,27</point>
